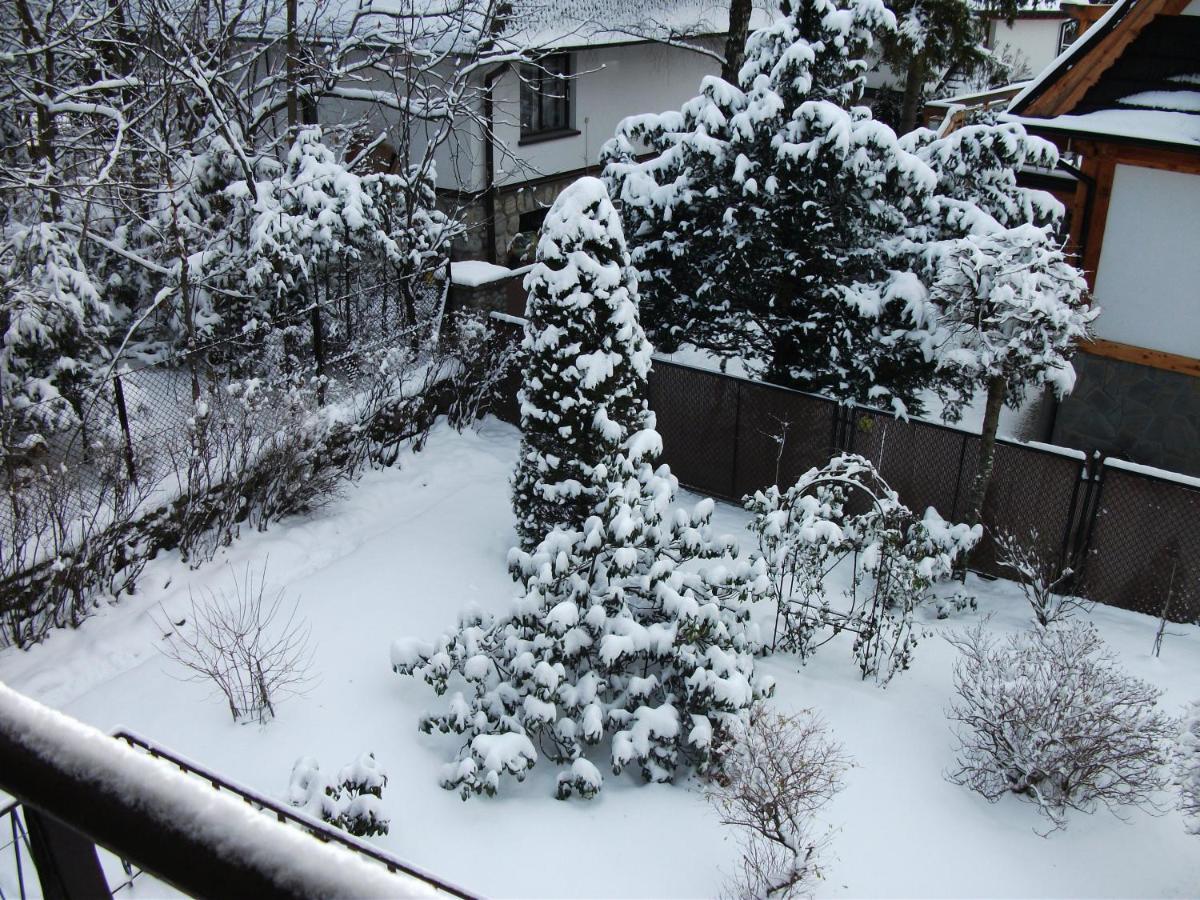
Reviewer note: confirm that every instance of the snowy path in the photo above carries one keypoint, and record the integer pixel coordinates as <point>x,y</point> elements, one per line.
<point>406,549</point>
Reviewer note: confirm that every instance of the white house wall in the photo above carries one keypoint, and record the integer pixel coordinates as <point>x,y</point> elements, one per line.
<point>611,83</point>
<point>1034,40</point>
<point>1148,279</point>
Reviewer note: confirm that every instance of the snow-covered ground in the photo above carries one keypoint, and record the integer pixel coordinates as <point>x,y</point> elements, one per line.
<point>407,548</point>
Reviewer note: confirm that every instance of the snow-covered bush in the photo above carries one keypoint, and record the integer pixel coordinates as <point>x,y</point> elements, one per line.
<point>1049,715</point>
<point>1013,308</point>
<point>1187,768</point>
<point>780,770</point>
<point>484,358</point>
<point>351,803</point>
<point>52,322</point>
<point>250,645</point>
<point>584,361</point>
<point>1040,577</point>
<point>615,640</point>
<point>808,529</point>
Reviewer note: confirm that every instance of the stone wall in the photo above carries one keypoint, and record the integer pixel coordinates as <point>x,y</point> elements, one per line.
<point>511,203</point>
<point>1137,413</point>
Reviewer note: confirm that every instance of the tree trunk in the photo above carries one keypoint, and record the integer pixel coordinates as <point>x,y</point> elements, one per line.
<point>914,82</point>
<point>291,70</point>
<point>996,389</point>
<point>735,44</point>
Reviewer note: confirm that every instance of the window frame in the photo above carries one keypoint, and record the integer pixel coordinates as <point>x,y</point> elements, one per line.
<point>538,100</point>
<point>1068,34</point>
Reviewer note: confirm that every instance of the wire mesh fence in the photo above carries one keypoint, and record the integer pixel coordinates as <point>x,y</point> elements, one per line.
<point>133,425</point>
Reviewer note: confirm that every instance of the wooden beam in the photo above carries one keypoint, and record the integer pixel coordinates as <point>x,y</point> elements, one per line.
<point>1142,356</point>
<point>1102,170</point>
<point>1154,158</point>
<point>1070,86</point>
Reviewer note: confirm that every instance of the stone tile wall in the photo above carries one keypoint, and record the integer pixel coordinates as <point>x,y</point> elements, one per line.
<point>1138,413</point>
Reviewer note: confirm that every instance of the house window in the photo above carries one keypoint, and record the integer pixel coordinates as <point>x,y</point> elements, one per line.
<point>546,96</point>
<point>532,220</point>
<point>1067,32</point>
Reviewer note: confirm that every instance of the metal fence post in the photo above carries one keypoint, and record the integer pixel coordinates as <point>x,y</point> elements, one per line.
<point>67,864</point>
<point>737,438</point>
<point>123,418</point>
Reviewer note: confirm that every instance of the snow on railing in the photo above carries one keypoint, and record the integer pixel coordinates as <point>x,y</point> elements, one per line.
<point>160,814</point>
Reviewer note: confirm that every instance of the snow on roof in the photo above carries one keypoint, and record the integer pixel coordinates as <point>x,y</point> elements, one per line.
<point>575,23</point>
<point>1149,92</point>
<point>1160,126</point>
<point>542,24</point>
<point>474,272</point>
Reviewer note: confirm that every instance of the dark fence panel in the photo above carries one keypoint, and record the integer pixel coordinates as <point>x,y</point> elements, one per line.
<point>697,417</point>
<point>1143,550</point>
<point>1133,538</point>
<point>921,462</point>
<point>781,434</point>
<point>1031,490</point>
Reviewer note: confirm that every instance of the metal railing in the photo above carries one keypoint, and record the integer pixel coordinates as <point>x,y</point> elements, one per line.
<point>290,815</point>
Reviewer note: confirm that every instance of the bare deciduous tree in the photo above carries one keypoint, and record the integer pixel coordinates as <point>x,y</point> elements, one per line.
<point>250,645</point>
<point>781,770</point>
<point>1049,715</point>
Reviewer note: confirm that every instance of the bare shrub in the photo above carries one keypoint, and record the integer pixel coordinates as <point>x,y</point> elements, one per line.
<point>63,545</point>
<point>250,645</point>
<point>249,452</point>
<point>1040,577</point>
<point>780,771</point>
<point>1049,715</point>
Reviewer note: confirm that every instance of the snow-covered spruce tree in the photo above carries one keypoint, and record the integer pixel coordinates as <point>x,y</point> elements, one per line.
<point>53,323</point>
<point>615,641</point>
<point>771,206</point>
<point>1013,308</point>
<point>584,360</point>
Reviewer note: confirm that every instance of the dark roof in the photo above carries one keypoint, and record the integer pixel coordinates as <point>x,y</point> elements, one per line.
<point>1160,69</point>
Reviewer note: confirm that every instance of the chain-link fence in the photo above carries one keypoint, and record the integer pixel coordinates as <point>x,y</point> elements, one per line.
<point>132,423</point>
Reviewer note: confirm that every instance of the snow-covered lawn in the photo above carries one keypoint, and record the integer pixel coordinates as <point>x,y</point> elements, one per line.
<point>406,549</point>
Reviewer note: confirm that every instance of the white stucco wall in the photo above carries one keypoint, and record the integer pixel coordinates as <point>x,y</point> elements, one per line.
<point>1036,40</point>
<point>1148,279</point>
<point>611,83</point>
